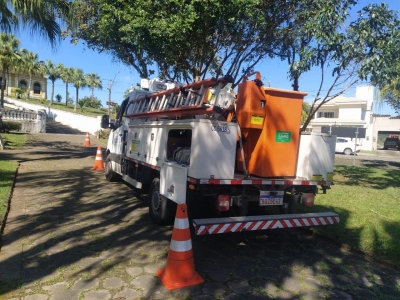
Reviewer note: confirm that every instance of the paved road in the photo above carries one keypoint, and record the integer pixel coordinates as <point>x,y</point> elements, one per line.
<point>72,235</point>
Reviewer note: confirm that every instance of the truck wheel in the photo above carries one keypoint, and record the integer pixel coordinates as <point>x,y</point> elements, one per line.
<point>109,172</point>
<point>292,202</point>
<point>162,211</point>
<point>347,151</point>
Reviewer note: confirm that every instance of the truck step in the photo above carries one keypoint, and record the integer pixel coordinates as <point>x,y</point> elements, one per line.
<point>252,223</point>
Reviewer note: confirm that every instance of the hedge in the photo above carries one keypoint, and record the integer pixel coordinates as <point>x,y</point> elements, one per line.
<point>11,126</point>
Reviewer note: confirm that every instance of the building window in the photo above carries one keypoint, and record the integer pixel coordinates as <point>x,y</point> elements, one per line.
<point>22,84</point>
<point>36,88</point>
<point>322,114</point>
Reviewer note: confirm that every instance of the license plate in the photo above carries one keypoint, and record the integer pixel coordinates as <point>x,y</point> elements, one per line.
<point>271,198</point>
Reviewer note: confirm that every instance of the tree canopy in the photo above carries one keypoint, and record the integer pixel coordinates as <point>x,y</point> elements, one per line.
<point>188,40</point>
<point>183,40</point>
<point>40,17</point>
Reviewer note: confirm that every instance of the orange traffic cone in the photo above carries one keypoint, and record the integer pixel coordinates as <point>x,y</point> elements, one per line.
<point>179,271</point>
<point>87,140</point>
<point>98,162</point>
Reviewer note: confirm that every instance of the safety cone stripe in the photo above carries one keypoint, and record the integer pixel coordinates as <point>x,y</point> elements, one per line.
<point>180,246</point>
<point>181,234</point>
<point>181,223</point>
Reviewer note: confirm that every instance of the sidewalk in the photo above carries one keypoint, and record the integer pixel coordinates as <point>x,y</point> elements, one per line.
<point>72,235</point>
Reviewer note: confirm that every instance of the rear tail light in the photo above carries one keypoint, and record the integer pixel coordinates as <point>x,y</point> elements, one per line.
<point>223,202</point>
<point>307,199</point>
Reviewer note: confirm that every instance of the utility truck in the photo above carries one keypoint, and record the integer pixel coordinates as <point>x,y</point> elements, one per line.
<point>237,159</point>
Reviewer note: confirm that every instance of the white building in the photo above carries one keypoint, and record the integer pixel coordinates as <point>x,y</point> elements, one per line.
<point>349,112</point>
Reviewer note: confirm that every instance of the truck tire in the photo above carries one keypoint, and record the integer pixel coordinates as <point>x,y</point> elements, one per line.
<point>109,172</point>
<point>292,201</point>
<point>162,211</point>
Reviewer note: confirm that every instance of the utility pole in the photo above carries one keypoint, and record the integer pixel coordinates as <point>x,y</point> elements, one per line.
<point>110,84</point>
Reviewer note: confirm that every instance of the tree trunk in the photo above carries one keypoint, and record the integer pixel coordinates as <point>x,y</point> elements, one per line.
<point>29,86</point>
<point>52,93</point>
<point>295,84</point>
<point>76,100</point>
<point>2,87</point>
<point>66,94</point>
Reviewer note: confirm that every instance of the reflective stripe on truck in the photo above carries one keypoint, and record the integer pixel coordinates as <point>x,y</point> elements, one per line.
<point>252,223</point>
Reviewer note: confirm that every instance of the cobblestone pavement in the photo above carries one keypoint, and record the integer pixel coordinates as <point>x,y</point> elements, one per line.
<point>72,235</point>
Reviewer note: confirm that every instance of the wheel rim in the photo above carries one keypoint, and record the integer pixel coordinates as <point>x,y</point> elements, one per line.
<point>108,167</point>
<point>347,151</point>
<point>156,201</point>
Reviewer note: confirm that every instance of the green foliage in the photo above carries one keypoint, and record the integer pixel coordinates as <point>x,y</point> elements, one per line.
<point>103,133</point>
<point>390,90</point>
<point>11,126</point>
<point>19,92</point>
<point>305,112</point>
<point>183,40</point>
<point>90,102</point>
<point>58,97</point>
<point>319,36</point>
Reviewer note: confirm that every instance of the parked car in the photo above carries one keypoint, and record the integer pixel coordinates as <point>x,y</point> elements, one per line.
<point>391,142</point>
<point>345,146</point>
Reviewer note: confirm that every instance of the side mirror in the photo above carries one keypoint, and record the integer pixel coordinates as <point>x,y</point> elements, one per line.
<point>105,122</point>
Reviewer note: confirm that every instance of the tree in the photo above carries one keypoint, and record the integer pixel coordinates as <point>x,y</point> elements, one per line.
<point>8,52</point>
<point>390,93</point>
<point>32,66</point>
<point>93,81</point>
<point>319,37</point>
<point>53,72</point>
<point>67,75</point>
<point>58,97</point>
<point>41,16</point>
<point>183,40</point>
<point>305,112</point>
<point>78,79</point>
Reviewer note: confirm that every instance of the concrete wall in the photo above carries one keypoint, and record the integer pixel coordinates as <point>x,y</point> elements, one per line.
<point>31,121</point>
<point>350,113</point>
<point>82,123</point>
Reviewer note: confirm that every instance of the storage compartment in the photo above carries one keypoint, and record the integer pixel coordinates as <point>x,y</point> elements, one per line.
<point>179,145</point>
<point>316,156</point>
<point>270,125</point>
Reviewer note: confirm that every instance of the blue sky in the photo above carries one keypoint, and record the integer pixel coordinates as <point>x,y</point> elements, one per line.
<point>273,71</point>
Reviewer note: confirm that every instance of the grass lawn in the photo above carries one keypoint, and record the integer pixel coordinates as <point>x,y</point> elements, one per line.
<point>86,111</point>
<point>7,167</point>
<point>7,171</point>
<point>13,140</point>
<point>367,200</point>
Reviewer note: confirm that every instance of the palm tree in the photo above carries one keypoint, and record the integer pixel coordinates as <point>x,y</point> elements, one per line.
<point>8,52</point>
<point>93,81</point>
<point>41,16</point>
<point>32,66</point>
<point>53,73</point>
<point>67,76</point>
<point>79,82</point>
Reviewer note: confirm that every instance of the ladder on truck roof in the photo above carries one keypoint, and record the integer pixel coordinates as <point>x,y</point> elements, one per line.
<point>201,97</point>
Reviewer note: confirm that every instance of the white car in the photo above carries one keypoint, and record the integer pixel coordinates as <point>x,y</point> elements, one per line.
<point>345,146</point>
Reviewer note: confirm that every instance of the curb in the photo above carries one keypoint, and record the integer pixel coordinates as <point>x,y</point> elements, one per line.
<point>5,215</point>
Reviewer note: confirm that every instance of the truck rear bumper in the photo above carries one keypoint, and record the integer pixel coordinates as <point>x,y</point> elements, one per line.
<point>252,223</point>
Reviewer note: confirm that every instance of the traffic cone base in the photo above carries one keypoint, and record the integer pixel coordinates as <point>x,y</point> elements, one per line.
<point>179,271</point>
<point>98,162</point>
<point>185,272</point>
<point>87,140</point>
